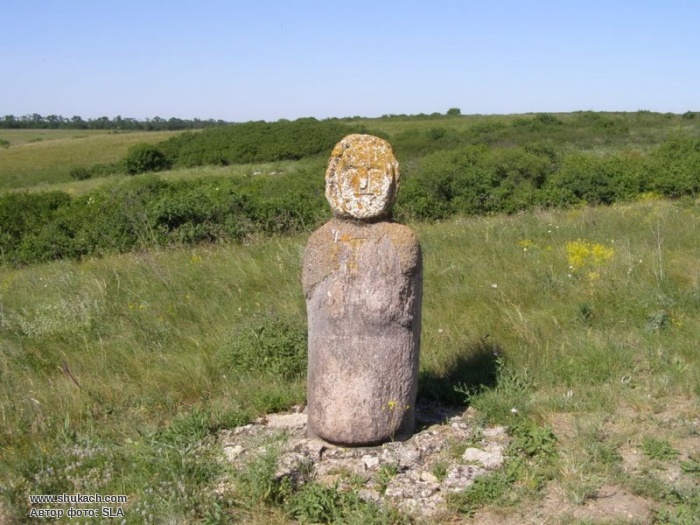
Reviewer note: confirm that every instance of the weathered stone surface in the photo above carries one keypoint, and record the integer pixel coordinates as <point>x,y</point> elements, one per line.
<point>491,459</point>
<point>362,178</point>
<point>283,421</point>
<point>233,452</point>
<point>363,286</point>
<point>370,461</point>
<point>415,488</point>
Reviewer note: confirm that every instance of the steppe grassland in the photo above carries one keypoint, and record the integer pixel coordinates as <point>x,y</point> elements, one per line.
<point>76,188</point>
<point>41,160</point>
<point>15,137</point>
<point>125,355</point>
<point>645,129</point>
<point>49,159</point>
<point>115,373</point>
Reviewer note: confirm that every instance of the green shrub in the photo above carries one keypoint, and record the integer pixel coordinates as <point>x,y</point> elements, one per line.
<point>674,168</point>
<point>147,211</point>
<point>143,158</point>
<point>601,123</point>
<point>414,143</point>
<point>271,345</point>
<point>484,129</point>
<point>103,170</point>
<point>54,240</point>
<point>547,118</point>
<point>436,133</point>
<point>24,213</point>
<point>474,180</point>
<point>463,179</point>
<point>255,142</point>
<point>117,218</point>
<point>80,173</point>
<point>586,178</point>
<point>525,123</point>
<point>4,143</point>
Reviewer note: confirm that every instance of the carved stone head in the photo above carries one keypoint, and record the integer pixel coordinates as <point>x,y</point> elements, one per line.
<point>362,178</point>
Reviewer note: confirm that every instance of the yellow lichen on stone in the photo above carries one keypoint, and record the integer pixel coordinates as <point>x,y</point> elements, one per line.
<point>362,178</point>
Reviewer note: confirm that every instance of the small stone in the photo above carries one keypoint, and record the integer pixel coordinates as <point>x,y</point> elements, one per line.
<point>428,477</point>
<point>370,495</point>
<point>459,425</point>
<point>489,460</point>
<point>460,477</point>
<point>286,421</point>
<point>312,447</point>
<point>495,433</point>
<point>428,489</point>
<point>408,457</point>
<point>394,492</point>
<point>291,465</point>
<point>370,461</point>
<point>233,452</point>
<point>241,430</point>
<point>388,455</point>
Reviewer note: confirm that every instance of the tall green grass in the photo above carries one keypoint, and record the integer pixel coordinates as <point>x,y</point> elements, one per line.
<point>116,372</point>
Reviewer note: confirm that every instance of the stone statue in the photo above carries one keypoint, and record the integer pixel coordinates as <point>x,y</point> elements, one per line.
<point>362,279</point>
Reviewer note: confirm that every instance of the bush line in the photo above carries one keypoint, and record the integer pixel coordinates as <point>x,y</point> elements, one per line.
<point>146,211</point>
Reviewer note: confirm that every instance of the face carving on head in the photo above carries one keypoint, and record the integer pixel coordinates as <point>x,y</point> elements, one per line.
<point>362,178</point>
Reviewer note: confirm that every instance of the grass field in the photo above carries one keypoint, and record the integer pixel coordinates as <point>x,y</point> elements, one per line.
<point>40,158</point>
<point>77,188</point>
<point>16,137</point>
<point>117,372</point>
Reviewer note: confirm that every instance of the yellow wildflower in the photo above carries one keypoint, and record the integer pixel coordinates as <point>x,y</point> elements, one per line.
<point>585,255</point>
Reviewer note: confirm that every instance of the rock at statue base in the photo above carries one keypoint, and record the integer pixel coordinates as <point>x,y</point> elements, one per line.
<point>362,280</point>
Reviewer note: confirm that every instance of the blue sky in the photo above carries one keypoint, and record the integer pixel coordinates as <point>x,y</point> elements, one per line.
<point>242,60</point>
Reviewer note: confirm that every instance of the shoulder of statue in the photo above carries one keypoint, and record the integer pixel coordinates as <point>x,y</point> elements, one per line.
<point>323,235</point>
<point>406,244</point>
<point>319,258</point>
<point>400,234</point>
